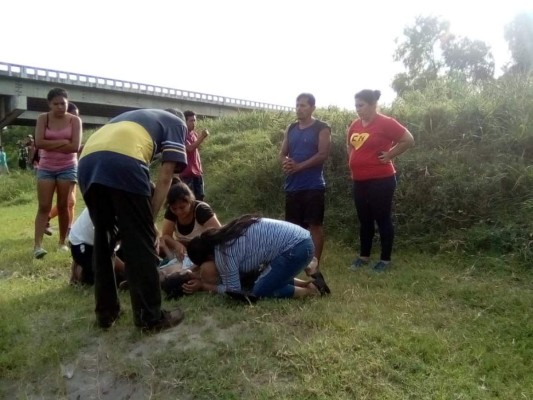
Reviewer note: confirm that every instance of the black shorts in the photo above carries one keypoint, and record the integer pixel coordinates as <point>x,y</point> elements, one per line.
<point>82,254</point>
<point>305,207</point>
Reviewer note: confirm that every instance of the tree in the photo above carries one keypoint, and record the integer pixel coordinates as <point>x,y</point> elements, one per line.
<point>417,53</point>
<point>430,51</point>
<point>471,59</point>
<point>519,36</point>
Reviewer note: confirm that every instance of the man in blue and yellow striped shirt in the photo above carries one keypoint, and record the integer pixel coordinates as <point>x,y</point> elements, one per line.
<point>114,178</point>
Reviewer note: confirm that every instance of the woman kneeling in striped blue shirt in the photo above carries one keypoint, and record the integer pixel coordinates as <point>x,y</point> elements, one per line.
<point>276,250</point>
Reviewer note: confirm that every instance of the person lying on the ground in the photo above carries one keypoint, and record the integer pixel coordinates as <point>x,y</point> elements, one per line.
<point>208,279</point>
<point>185,218</point>
<point>277,250</point>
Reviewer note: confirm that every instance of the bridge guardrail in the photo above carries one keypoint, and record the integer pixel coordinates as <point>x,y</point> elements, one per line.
<point>27,72</point>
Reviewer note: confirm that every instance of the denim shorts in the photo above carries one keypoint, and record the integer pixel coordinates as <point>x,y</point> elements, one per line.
<point>68,174</point>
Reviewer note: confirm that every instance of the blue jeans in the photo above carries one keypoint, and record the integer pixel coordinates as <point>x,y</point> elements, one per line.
<point>279,280</point>
<point>69,174</point>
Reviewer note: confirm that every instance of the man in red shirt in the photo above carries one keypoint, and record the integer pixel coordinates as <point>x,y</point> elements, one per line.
<point>192,174</point>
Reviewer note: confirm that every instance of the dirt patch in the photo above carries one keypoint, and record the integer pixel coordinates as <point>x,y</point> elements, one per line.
<point>93,374</point>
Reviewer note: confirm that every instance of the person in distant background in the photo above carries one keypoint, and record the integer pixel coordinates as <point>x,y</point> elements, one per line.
<point>3,162</point>
<point>373,141</point>
<point>31,149</point>
<point>23,155</point>
<point>193,174</point>
<point>57,136</point>
<point>72,109</point>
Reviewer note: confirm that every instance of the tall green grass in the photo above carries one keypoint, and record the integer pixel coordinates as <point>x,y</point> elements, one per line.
<point>468,181</point>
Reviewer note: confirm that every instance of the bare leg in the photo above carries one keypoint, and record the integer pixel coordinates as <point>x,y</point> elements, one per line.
<point>301,282</point>
<point>317,234</point>
<point>64,188</point>
<point>310,290</point>
<point>71,206</point>
<point>45,194</point>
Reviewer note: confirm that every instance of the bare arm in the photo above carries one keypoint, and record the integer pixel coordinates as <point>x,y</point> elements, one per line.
<point>405,143</point>
<point>201,137</point>
<point>43,143</point>
<point>73,145</point>
<point>164,178</point>
<point>284,151</point>
<point>167,228</point>
<point>348,143</point>
<point>212,223</point>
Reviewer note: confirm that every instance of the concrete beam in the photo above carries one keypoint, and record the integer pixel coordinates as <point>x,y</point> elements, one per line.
<point>86,119</point>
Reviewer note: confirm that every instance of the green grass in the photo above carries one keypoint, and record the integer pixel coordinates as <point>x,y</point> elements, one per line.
<point>434,327</point>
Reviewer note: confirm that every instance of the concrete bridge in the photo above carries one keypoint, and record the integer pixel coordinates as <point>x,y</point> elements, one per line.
<point>23,91</point>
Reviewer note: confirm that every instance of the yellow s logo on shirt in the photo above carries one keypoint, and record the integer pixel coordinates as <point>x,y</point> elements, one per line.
<point>357,139</point>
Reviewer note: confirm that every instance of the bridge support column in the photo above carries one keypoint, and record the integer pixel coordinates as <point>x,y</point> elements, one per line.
<point>11,107</point>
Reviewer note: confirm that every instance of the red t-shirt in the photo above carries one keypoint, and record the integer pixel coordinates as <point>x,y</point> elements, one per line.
<point>194,164</point>
<point>368,142</point>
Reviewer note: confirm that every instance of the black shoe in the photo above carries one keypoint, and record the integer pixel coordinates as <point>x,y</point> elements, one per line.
<point>107,321</point>
<point>242,296</point>
<point>168,320</point>
<point>48,229</point>
<point>320,283</point>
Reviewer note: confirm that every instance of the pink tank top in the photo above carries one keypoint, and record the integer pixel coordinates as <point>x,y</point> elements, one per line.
<point>51,160</point>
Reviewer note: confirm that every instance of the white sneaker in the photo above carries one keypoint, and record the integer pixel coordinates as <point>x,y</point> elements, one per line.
<point>63,247</point>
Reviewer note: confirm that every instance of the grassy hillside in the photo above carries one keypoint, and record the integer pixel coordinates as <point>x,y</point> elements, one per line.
<point>452,319</point>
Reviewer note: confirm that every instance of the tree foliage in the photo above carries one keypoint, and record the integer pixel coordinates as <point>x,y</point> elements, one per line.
<point>429,51</point>
<point>417,54</point>
<point>519,36</point>
<point>471,59</point>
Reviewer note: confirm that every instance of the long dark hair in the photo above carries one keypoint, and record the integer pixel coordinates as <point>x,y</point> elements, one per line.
<point>202,248</point>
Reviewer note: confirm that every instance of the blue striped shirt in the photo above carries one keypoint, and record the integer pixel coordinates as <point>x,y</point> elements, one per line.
<point>260,244</point>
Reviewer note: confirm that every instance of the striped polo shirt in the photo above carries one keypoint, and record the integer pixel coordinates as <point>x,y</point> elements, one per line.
<point>118,155</point>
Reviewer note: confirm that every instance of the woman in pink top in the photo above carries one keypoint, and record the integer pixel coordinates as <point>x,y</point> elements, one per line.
<point>72,109</point>
<point>58,137</point>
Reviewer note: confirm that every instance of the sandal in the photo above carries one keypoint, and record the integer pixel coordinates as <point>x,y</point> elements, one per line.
<point>39,253</point>
<point>320,283</point>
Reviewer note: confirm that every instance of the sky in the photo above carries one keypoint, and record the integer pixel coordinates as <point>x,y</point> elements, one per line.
<point>267,51</point>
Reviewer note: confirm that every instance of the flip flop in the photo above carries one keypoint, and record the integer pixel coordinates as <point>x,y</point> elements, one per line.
<point>320,283</point>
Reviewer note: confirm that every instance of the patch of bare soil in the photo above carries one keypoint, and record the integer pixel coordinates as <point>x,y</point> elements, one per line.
<point>91,374</point>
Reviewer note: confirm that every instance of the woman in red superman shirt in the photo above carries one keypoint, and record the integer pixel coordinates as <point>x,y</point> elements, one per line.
<point>373,141</point>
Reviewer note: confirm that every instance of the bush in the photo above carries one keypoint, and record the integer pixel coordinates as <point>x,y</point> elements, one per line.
<point>17,188</point>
